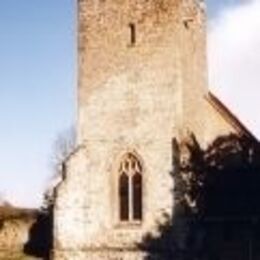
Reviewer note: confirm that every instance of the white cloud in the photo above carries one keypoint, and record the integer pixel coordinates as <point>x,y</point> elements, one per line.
<point>234,61</point>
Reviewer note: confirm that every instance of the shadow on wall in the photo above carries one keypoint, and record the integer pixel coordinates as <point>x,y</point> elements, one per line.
<point>41,233</point>
<point>217,209</point>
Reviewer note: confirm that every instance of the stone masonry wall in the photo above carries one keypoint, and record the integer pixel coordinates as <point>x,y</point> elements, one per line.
<point>169,53</point>
<point>14,234</point>
<point>104,255</point>
<point>132,97</point>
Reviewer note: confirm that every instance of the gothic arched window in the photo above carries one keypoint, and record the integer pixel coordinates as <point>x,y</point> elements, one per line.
<point>130,189</point>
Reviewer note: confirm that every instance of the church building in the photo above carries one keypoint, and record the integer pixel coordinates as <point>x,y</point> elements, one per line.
<point>142,82</point>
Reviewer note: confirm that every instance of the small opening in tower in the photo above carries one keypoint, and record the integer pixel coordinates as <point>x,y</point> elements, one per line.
<point>132,34</point>
<point>187,22</point>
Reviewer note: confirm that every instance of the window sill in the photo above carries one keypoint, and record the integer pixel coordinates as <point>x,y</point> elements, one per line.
<point>129,224</point>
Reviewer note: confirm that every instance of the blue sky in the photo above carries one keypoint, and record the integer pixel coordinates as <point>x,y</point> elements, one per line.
<point>37,89</point>
<point>216,6</point>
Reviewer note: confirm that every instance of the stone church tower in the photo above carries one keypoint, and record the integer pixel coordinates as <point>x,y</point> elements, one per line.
<point>142,81</point>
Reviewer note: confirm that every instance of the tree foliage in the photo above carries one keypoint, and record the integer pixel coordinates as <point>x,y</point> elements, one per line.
<point>216,195</point>
<point>62,148</point>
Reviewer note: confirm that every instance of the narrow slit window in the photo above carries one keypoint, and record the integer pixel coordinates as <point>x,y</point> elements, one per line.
<point>132,34</point>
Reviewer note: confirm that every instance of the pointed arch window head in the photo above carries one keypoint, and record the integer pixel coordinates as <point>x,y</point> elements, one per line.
<point>130,189</point>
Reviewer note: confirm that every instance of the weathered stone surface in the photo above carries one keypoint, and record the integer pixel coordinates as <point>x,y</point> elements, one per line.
<point>15,232</point>
<point>101,255</point>
<point>133,96</point>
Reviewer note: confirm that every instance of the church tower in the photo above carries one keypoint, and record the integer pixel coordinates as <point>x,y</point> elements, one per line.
<point>142,81</point>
